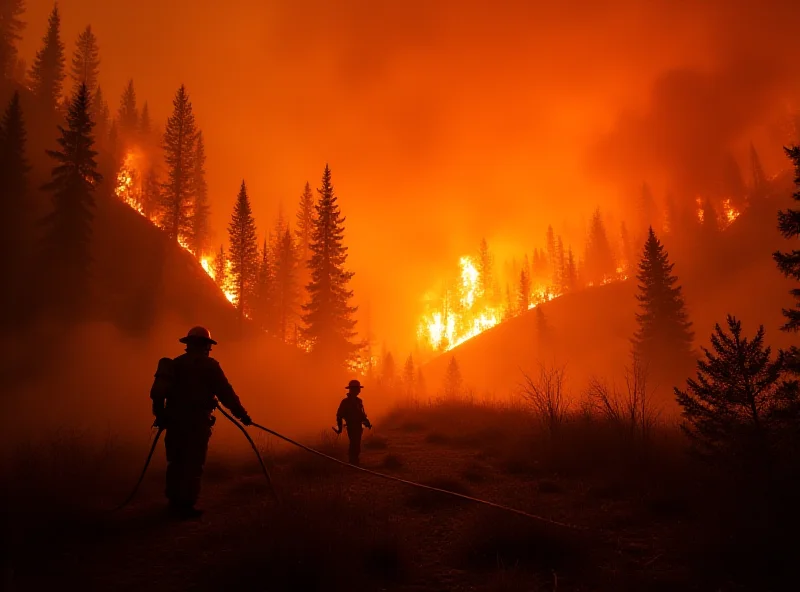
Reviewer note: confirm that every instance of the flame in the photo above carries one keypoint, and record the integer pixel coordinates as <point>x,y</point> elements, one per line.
<point>449,327</point>
<point>730,212</point>
<point>129,191</point>
<point>701,213</point>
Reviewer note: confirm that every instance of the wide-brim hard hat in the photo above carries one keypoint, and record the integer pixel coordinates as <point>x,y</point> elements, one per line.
<point>196,334</point>
<point>354,384</point>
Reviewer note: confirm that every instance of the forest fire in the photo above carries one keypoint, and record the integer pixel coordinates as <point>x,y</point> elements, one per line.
<point>464,312</point>
<point>730,212</point>
<point>129,191</point>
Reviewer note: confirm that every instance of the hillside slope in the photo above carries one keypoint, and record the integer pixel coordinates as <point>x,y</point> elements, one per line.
<point>590,330</point>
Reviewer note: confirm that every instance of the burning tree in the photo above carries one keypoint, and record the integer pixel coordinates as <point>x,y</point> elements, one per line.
<point>47,74</point>
<point>68,228</point>
<point>328,317</point>
<point>664,327</point>
<point>179,155</point>
<point>243,253</point>
<point>86,60</point>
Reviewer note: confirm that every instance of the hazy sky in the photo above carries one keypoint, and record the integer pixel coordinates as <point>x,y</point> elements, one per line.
<point>448,121</point>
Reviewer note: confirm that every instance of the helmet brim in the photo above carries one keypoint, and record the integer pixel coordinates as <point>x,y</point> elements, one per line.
<point>196,339</point>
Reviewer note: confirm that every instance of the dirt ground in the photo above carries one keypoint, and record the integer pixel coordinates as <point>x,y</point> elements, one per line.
<point>339,529</point>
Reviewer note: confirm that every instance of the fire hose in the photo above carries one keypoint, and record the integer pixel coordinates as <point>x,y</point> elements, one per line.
<point>354,467</point>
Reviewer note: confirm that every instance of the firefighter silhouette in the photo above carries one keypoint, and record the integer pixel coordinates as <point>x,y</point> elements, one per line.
<point>351,411</point>
<point>184,394</point>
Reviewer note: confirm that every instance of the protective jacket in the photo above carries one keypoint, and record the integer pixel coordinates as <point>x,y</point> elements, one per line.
<point>351,410</point>
<point>189,386</point>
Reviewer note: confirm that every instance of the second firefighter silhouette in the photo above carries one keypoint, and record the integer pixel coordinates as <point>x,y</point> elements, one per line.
<point>351,411</point>
<point>185,394</point>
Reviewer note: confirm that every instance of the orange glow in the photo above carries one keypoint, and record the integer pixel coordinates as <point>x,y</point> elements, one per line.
<point>729,211</point>
<point>701,214</point>
<point>128,190</point>
<point>451,326</point>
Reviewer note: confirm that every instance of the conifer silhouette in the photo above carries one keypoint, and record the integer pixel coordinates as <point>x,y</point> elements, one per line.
<point>243,253</point>
<point>11,27</point>
<point>86,60</point>
<point>664,333</point>
<point>198,238</point>
<point>47,73</point>
<point>15,209</point>
<point>68,228</point>
<point>328,316</point>
<point>179,154</point>
<point>738,402</point>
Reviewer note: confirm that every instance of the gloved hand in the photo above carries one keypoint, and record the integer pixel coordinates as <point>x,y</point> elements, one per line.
<point>337,430</point>
<point>368,424</point>
<point>245,419</point>
<point>160,421</point>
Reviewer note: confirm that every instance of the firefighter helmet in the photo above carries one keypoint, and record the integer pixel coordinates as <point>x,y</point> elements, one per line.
<point>354,385</point>
<point>198,334</point>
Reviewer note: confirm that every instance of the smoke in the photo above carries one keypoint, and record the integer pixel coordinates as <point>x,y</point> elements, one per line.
<point>696,115</point>
<point>451,121</point>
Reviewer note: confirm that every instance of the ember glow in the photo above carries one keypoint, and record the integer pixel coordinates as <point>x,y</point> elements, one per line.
<point>129,191</point>
<point>462,313</point>
<point>729,211</point>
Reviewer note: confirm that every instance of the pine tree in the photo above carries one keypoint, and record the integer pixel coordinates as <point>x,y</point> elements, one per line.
<point>100,115</point>
<point>68,228</point>
<point>47,74</point>
<point>198,237</point>
<point>305,226</point>
<point>145,123</point>
<point>453,382</point>
<point>789,262</point>
<point>264,293</point>
<point>524,291</point>
<point>599,257</point>
<point>510,310</point>
<point>409,377</point>
<point>86,60</point>
<point>14,209</point>
<point>572,273</point>
<point>221,268</point>
<point>243,252</point>
<point>551,252</point>
<point>388,371</point>
<point>485,273</point>
<point>151,193</point>
<point>627,247</point>
<point>562,287</point>
<point>128,115</point>
<point>664,332</point>
<point>179,155</point>
<point>328,317</point>
<point>759,188</point>
<point>285,279</point>
<point>11,27</point>
<point>738,404</point>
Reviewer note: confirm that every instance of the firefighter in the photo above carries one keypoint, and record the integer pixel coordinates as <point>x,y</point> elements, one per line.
<point>351,411</point>
<point>185,394</point>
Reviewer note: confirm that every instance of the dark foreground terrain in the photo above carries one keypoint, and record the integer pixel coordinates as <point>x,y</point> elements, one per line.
<point>643,523</point>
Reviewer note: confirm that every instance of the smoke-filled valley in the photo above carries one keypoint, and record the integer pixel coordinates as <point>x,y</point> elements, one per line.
<point>554,245</point>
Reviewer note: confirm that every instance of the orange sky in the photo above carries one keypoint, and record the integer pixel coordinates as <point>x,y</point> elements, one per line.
<point>447,121</point>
